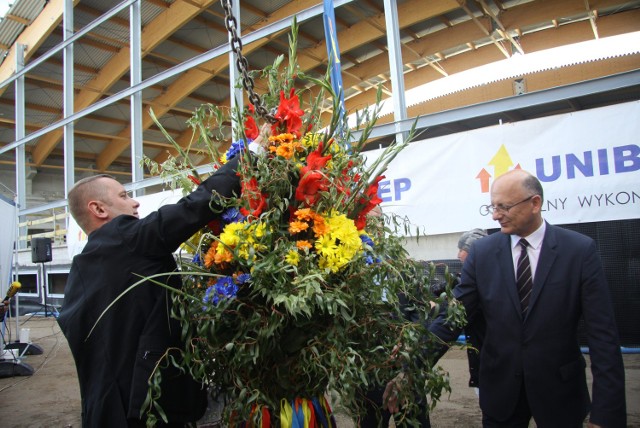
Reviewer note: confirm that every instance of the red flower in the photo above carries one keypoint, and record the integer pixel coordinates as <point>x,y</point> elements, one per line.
<point>289,114</point>
<point>310,186</point>
<point>194,180</point>
<point>257,200</point>
<point>368,201</point>
<point>315,160</point>
<point>250,126</point>
<point>312,181</point>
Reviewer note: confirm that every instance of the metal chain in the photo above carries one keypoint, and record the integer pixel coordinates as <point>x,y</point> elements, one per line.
<point>242,63</point>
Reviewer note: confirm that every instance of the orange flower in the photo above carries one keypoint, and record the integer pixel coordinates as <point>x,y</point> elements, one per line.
<point>303,245</point>
<point>320,227</point>
<point>305,214</point>
<point>298,226</point>
<point>210,256</point>
<point>225,257</point>
<point>282,138</point>
<point>285,150</point>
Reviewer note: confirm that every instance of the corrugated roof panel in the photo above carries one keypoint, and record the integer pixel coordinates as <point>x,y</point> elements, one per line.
<point>29,9</point>
<point>11,29</point>
<point>90,56</point>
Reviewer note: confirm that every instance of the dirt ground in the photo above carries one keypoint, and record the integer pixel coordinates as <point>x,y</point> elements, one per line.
<point>50,396</point>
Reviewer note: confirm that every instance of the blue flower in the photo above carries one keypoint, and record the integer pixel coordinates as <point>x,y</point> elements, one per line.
<point>232,215</point>
<point>243,278</point>
<point>367,240</point>
<point>197,259</point>
<point>368,255</point>
<point>236,147</point>
<point>224,288</point>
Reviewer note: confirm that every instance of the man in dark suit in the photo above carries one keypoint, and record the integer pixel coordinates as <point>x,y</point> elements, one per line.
<point>116,359</point>
<point>530,363</point>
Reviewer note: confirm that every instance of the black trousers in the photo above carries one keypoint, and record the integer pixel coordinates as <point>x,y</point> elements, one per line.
<point>520,417</point>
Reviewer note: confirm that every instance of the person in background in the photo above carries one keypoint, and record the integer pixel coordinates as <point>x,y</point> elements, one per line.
<point>534,283</point>
<point>4,308</point>
<point>376,414</point>
<point>475,329</point>
<point>116,355</point>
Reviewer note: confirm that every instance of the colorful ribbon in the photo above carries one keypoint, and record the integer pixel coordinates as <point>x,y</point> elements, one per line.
<point>305,413</point>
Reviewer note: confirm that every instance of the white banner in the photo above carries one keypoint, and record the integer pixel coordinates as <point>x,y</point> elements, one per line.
<point>7,241</point>
<point>588,163</point>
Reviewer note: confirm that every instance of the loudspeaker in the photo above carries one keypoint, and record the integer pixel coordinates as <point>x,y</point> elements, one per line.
<point>41,250</point>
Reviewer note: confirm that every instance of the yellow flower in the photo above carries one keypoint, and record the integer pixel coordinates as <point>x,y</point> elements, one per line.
<point>311,141</point>
<point>293,258</point>
<point>340,244</point>
<point>230,236</point>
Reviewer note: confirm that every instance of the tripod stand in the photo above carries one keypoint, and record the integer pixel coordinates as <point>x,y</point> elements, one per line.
<point>11,364</point>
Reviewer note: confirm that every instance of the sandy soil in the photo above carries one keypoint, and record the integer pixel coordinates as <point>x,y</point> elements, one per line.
<point>50,396</point>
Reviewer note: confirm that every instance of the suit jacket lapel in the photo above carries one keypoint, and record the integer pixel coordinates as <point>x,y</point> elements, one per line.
<point>548,254</point>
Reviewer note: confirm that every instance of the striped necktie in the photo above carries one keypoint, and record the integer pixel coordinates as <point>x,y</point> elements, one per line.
<point>524,280</point>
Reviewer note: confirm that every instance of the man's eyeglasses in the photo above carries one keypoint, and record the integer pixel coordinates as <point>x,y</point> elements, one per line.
<point>504,209</point>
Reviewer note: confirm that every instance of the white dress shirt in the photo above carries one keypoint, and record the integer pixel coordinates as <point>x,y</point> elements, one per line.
<point>533,250</point>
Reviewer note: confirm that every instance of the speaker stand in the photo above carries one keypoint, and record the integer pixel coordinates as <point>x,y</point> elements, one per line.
<point>14,368</point>
<point>25,348</point>
<point>10,365</point>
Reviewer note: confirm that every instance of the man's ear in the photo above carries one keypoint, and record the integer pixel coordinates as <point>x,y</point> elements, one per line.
<point>537,203</point>
<point>97,209</point>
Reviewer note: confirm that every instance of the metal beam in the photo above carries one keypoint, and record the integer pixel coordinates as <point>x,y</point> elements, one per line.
<point>68,95</point>
<point>135,72</point>
<point>604,84</point>
<point>21,161</point>
<point>395,64</point>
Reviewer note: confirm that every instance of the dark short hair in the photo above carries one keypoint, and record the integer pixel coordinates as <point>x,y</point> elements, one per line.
<point>80,194</point>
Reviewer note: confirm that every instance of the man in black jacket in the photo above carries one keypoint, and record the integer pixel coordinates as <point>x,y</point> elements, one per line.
<point>116,359</point>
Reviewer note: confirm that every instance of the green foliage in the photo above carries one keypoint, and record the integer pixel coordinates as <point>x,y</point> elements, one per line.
<point>303,326</point>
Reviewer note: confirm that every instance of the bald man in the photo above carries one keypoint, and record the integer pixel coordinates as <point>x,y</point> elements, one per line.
<point>532,295</point>
<point>531,364</point>
<point>115,362</point>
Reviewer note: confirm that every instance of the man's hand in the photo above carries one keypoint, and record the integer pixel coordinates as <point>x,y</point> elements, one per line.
<point>592,425</point>
<point>262,140</point>
<point>390,396</point>
<point>4,307</point>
